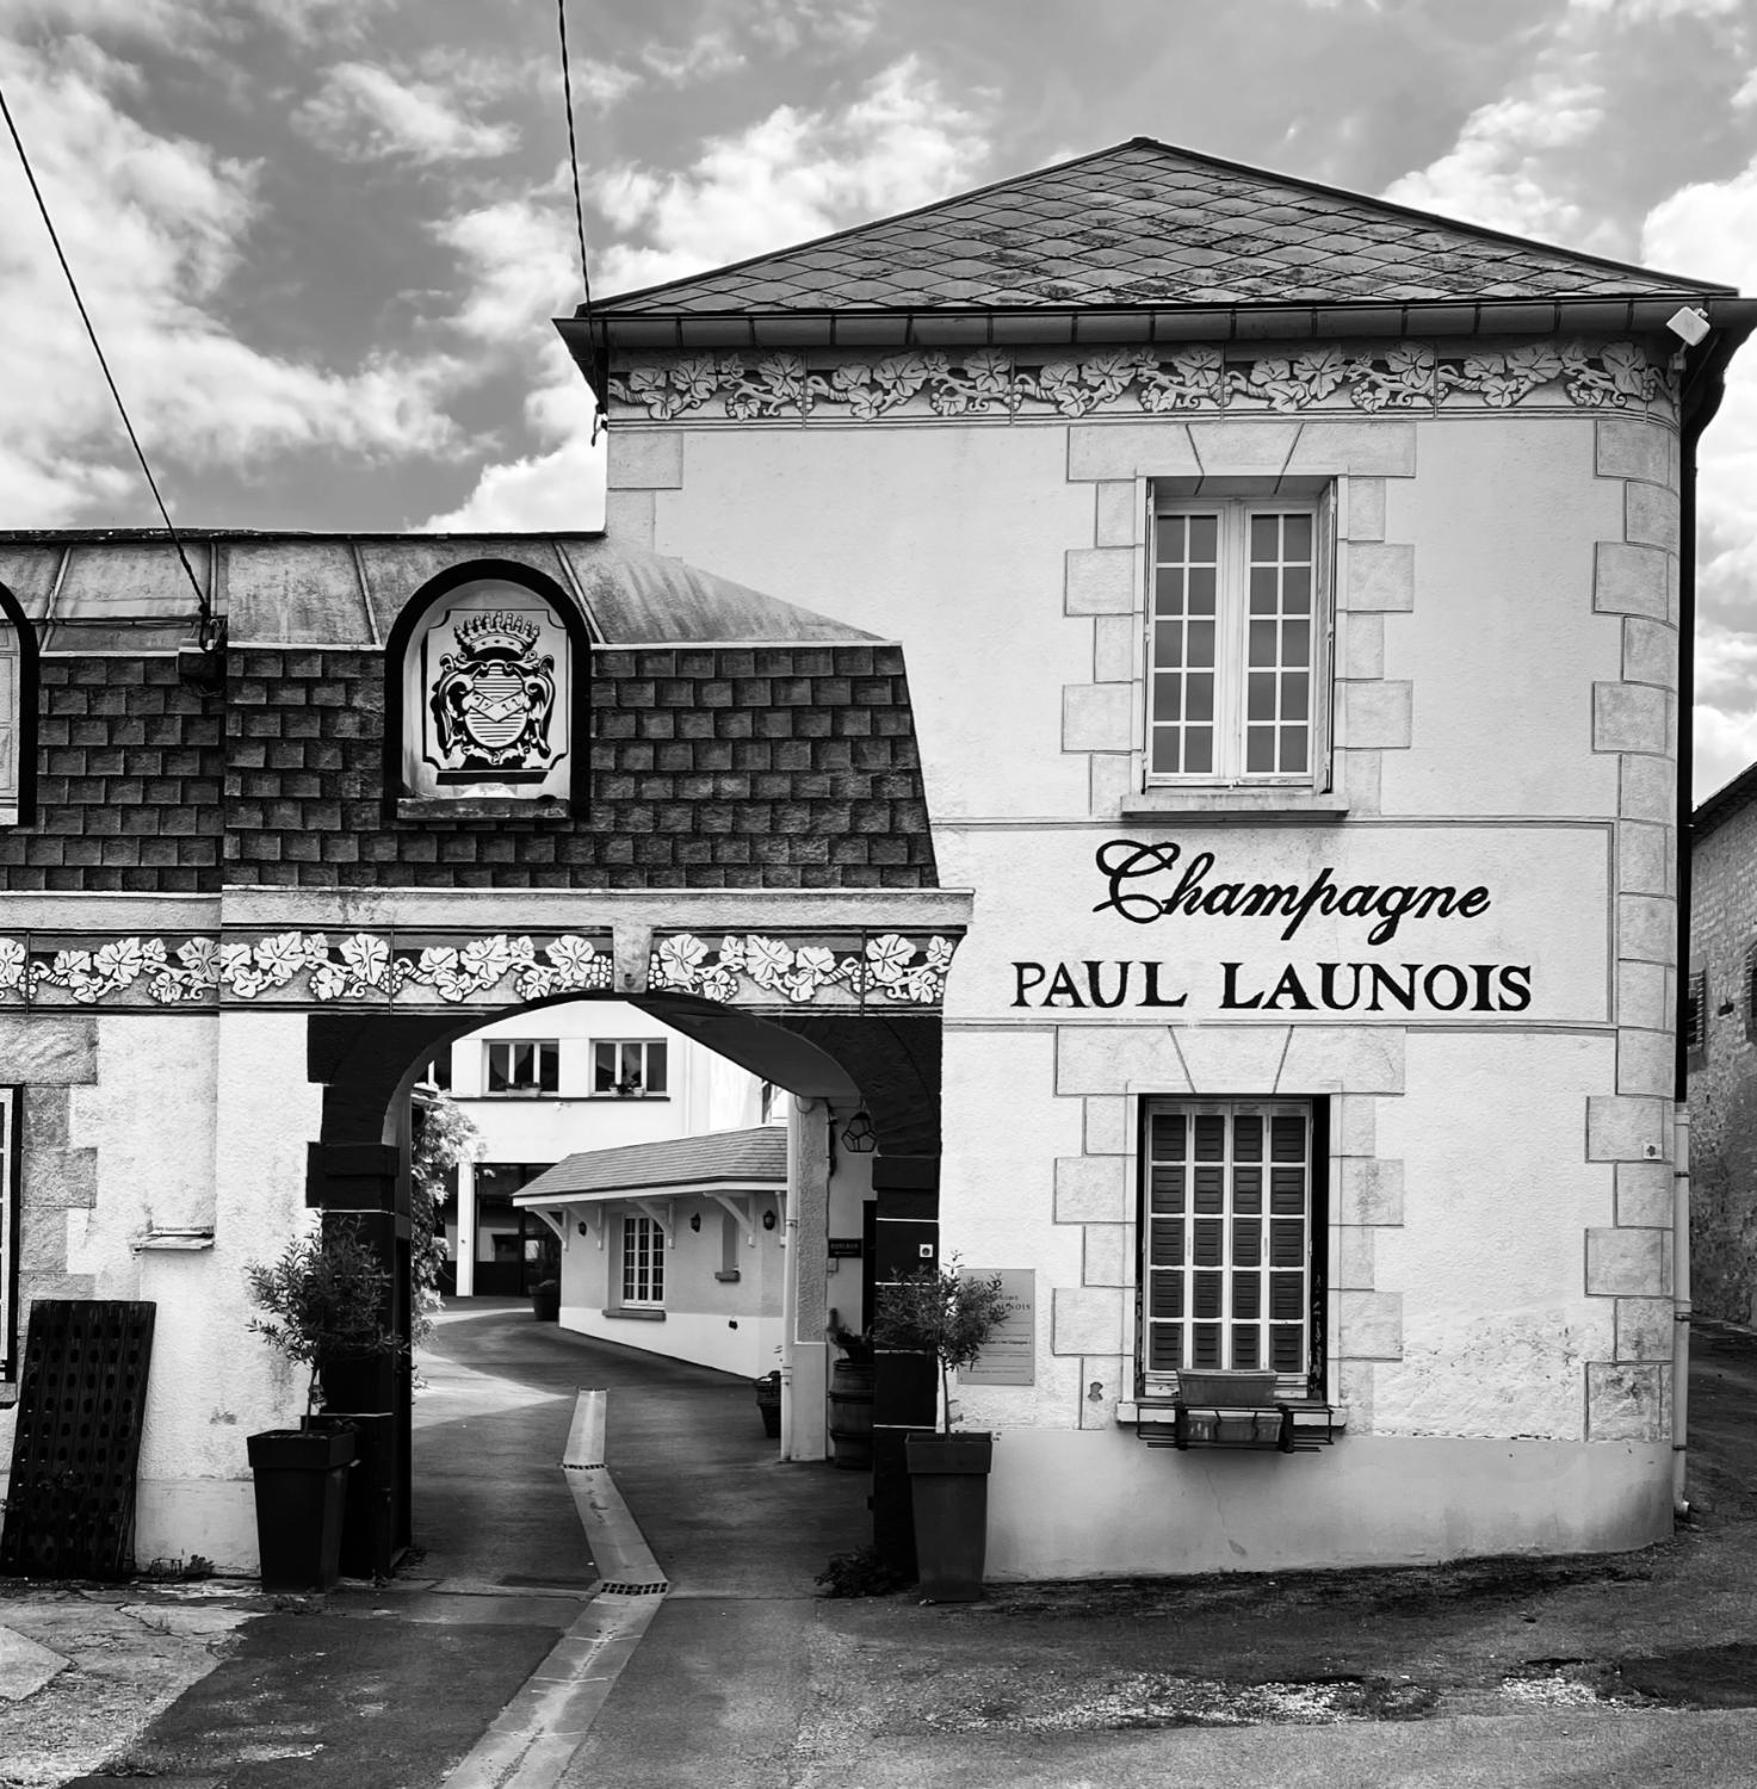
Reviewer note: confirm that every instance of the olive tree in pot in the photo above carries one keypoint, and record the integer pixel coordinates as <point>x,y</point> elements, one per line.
<point>322,1299</point>
<point>952,1316</point>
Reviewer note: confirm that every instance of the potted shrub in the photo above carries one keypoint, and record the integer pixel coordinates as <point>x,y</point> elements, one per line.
<point>322,1300</point>
<point>952,1316</point>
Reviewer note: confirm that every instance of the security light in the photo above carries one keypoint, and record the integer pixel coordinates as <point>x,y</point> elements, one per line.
<point>1688,325</point>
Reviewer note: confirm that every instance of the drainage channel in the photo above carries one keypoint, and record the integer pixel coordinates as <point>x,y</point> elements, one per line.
<point>532,1739</point>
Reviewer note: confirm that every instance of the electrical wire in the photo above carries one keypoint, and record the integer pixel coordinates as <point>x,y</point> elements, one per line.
<point>573,151</point>
<point>207,633</point>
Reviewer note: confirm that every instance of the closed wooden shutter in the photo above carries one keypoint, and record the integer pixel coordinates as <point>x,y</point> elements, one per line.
<point>1227,1235</point>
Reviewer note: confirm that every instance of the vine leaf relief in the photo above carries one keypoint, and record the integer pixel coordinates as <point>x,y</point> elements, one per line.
<point>889,964</point>
<point>1403,375</point>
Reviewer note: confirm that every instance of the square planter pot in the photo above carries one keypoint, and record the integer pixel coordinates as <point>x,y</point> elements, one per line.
<point>301,1489</point>
<point>948,1488</point>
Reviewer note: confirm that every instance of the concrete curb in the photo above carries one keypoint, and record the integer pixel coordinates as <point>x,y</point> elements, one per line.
<point>533,1738</point>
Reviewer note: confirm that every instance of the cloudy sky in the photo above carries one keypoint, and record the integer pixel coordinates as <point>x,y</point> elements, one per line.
<point>322,238</point>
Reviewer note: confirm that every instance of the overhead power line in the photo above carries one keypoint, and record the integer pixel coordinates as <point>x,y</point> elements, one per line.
<point>206,632</point>
<point>573,162</point>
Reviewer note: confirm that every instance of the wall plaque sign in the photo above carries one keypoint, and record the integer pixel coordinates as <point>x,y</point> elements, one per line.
<point>1011,1356</point>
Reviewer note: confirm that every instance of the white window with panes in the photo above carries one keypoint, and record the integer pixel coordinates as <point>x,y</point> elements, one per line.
<point>631,1068</point>
<point>1227,1238</point>
<point>643,1262</point>
<point>515,1069</point>
<point>1238,643</point>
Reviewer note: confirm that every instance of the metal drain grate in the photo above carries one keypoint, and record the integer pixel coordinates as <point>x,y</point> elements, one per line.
<point>70,1501</point>
<point>613,1589</point>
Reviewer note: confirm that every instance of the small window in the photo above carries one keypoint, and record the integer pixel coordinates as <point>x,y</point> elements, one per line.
<point>521,1070</point>
<point>630,1068</point>
<point>1238,644</point>
<point>1696,1017</point>
<point>1227,1232</point>
<point>643,1262</point>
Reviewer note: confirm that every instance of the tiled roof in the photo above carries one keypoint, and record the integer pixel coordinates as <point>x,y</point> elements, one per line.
<point>674,1164</point>
<point>1147,225</point>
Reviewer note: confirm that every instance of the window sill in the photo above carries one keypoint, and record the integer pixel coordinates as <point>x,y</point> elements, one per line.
<point>1162,1412</point>
<point>483,807</point>
<point>1228,804</point>
<point>629,1099</point>
<point>729,1278</point>
<point>175,1241</point>
<point>628,1314</point>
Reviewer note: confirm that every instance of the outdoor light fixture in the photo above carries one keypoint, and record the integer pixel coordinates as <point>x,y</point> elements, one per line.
<point>1688,325</point>
<point>695,1220</point>
<point>860,1137</point>
<point>585,1228</point>
<point>768,1220</point>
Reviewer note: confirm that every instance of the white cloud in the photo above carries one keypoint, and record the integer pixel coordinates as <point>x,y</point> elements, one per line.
<point>1501,171</point>
<point>1648,12</point>
<point>364,112</point>
<point>520,261</point>
<point>154,227</point>
<point>793,175</point>
<point>704,58</point>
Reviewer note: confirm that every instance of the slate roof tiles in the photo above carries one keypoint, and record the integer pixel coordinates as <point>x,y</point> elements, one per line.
<point>1147,224</point>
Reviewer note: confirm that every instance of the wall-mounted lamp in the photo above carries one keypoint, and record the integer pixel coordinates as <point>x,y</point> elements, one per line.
<point>695,1220</point>
<point>585,1228</point>
<point>859,1138</point>
<point>768,1220</point>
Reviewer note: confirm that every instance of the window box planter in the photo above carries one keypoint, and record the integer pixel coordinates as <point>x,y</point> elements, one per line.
<point>948,1489</point>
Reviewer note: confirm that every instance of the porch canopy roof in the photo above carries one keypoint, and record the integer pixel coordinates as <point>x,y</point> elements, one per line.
<point>744,1161</point>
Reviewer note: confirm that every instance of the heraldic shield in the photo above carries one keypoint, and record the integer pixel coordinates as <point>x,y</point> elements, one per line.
<point>493,701</point>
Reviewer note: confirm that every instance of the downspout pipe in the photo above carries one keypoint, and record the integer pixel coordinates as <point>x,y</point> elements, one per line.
<point>1704,387</point>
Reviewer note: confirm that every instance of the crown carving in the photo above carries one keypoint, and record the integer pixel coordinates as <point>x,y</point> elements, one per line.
<point>516,633</point>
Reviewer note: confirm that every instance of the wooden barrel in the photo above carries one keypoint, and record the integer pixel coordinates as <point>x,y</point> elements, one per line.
<point>851,1414</point>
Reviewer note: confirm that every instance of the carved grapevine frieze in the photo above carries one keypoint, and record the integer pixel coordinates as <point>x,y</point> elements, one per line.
<point>992,382</point>
<point>891,965</point>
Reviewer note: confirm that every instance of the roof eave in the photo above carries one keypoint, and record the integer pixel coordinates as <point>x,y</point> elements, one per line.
<point>590,336</point>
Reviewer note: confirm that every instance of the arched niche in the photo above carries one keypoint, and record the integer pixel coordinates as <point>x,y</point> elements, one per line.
<point>486,681</point>
<point>18,713</point>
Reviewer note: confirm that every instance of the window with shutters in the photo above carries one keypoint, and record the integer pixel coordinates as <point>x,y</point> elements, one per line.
<point>1238,643</point>
<point>1228,1238</point>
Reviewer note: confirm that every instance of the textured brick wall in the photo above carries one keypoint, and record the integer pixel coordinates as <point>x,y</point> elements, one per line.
<point>1723,1079</point>
<point>129,767</point>
<point>711,767</point>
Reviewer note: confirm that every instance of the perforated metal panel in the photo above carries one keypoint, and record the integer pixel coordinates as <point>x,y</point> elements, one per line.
<point>70,1503</point>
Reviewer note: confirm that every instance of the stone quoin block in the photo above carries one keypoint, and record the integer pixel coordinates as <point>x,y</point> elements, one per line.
<point>1112,781</point>
<point>1354,1125</point>
<point>1645,1328</point>
<point>1384,449</point>
<point>1621,1128</point>
<point>1106,1126</point>
<point>1102,1379</point>
<point>1650,651</point>
<point>1096,717</point>
<point>1375,716</point>
<point>1647,788</point>
<point>1631,580</point>
<point>1363,510</point>
<point>1631,717</point>
<point>1100,581</point>
<point>41,1052</point>
<point>1130,450</point>
<point>1220,1058</point>
<point>1646,1063</point>
<point>1370,1325</point>
<point>1650,516</point>
<point>1342,1059</point>
<point>1117,1059</point>
<point>1360,645</point>
<point>1114,642</point>
<point>1380,575</point>
<point>1627,1402</point>
<point>630,517</point>
<point>645,459</point>
<point>1369,1191</point>
<point>1624,447</point>
<point>1086,1320</point>
<point>1107,1257</point>
<point>1626,1263</point>
<point>1646,928</point>
<point>1091,1189</point>
<point>1355,1249</point>
<point>1644,858</point>
<point>1120,515</point>
<point>1644,996</point>
<point>1360,777</point>
<point>1243,449</point>
<point>62,1177</point>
